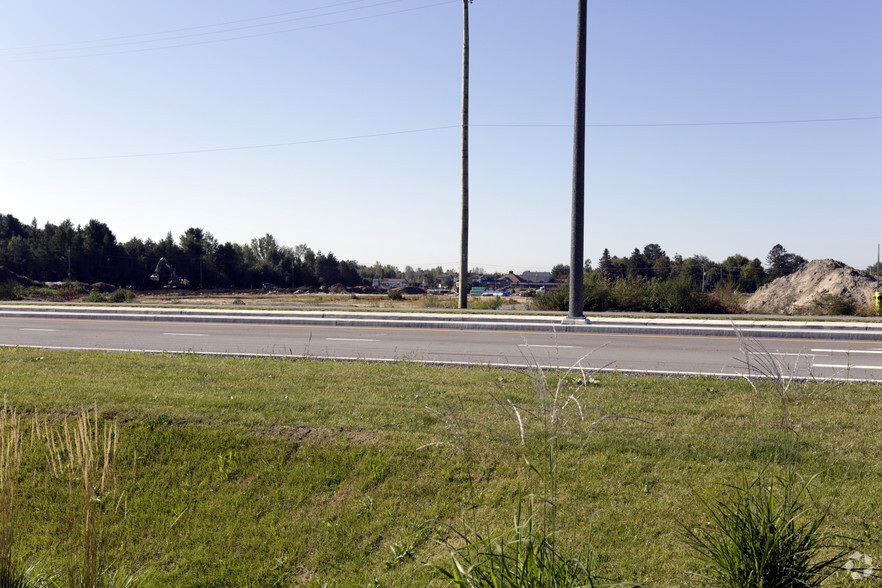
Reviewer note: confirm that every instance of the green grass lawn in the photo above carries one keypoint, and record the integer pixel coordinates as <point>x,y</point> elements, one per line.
<point>238,472</point>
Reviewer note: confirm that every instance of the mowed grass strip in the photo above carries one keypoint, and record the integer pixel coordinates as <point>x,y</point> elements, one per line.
<point>235,472</point>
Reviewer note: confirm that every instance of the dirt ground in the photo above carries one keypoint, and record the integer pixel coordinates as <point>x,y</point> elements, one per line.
<point>796,292</point>
<point>281,299</point>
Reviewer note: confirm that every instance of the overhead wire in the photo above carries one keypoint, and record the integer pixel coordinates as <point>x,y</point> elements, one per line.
<point>182,29</point>
<point>448,127</point>
<point>42,55</point>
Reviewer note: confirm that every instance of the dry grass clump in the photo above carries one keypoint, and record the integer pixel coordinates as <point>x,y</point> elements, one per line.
<point>83,453</point>
<point>10,462</point>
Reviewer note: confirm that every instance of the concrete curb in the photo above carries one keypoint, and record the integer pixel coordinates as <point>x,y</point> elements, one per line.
<point>655,326</point>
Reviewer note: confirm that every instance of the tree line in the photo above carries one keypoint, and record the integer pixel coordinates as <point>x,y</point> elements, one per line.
<point>92,253</point>
<point>649,280</point>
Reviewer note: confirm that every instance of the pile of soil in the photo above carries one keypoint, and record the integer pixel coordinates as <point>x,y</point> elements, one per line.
<point>790,293</point>
<point>409,290</point>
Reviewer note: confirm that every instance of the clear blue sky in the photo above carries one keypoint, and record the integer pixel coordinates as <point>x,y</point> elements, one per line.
<point>335,124</point>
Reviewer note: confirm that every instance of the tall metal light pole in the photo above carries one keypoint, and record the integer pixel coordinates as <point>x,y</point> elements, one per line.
<point>464,235</point>
<point>577,231</point>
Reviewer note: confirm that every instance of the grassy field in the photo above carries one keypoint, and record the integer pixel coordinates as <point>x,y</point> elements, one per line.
<point>241,472</point>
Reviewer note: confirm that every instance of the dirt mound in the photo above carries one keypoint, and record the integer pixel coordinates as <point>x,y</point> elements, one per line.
<point>409,290</point>
<point>103,287</point>
<point>798,290</point>
<point>337,289</point>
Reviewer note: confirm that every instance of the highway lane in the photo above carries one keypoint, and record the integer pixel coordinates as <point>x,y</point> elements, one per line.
<point>643,353</point>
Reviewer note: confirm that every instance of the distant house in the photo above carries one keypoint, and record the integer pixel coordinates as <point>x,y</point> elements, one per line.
<point>526,280</point>
<point>511,278</point>
<point>393,282</point>
<point>537,277</point>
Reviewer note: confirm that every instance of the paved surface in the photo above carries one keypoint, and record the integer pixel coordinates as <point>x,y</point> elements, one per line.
<point>652,345</point>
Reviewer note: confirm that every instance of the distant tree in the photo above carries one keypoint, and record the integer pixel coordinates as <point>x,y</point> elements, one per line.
<point>587,266</point>
<point>752,276</point>
<point>605,264</point>
<point>652,252</point>
<point>661,267</point>
<point>732,266</point>
<point>560,272</point>
<point>327,269</point>
<point>781,263</point>
<point>638,265</point>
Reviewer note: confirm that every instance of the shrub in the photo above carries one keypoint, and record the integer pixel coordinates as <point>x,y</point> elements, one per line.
<point>10,290</point>
<point>69,291</point>
<point>488,303</point>
<point>596,295</point>
<point>122,295</point>
<point>557,299</point>
<point>95,296</point>
<point>395,295</point>
<point>826,303</point>
<point>629,293</point>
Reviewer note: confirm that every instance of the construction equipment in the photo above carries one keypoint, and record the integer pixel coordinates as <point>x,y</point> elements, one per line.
<point>174,281</point>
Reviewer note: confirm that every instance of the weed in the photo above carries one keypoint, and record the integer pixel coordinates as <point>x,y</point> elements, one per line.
<point>84,454</point>
<point>531,556</point>
<point>69,291</point>
<point>10,462</point>
<point>761,535</point>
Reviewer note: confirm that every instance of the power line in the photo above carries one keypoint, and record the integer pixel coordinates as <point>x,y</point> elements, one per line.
<point>448,127</point>
<point>182,29</point>
<point>39,57</point>
<point>695,124</point>
<point>262,146</point>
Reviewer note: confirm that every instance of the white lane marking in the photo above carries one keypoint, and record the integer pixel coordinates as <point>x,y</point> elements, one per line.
<point>849,351</point>
<point>185,334</point>
<point>551,346</point>
<point>365,340</point>
<point>776,354</point>
<point>606,370</point>
<point>41,330</point>
<point>848,367</point>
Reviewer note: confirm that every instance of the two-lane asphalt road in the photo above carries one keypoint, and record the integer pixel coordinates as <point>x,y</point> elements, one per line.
<point>642,352</point>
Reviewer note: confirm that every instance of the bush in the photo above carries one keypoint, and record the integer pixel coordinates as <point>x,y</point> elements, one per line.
<point>831,304</point>
<point>11,290</point>
<point>69,291</point>
<point>557,299</point>
<point>629,293</point>
<point>487,303</point>
<point>395,295</point>
<point>122,295</point>
<point>95,296</point>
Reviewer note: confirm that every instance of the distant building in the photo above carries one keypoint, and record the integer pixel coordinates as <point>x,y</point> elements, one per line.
<point>393,283</point>
<point>524,281</point>
<point>537,277</point>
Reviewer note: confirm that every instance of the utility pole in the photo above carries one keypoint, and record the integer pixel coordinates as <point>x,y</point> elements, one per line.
<point>464,234</point>
<point>577,231</point>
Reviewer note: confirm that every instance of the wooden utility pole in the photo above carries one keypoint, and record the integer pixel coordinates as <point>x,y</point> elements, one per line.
<point>577,231</point>
<point>464,235</point>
